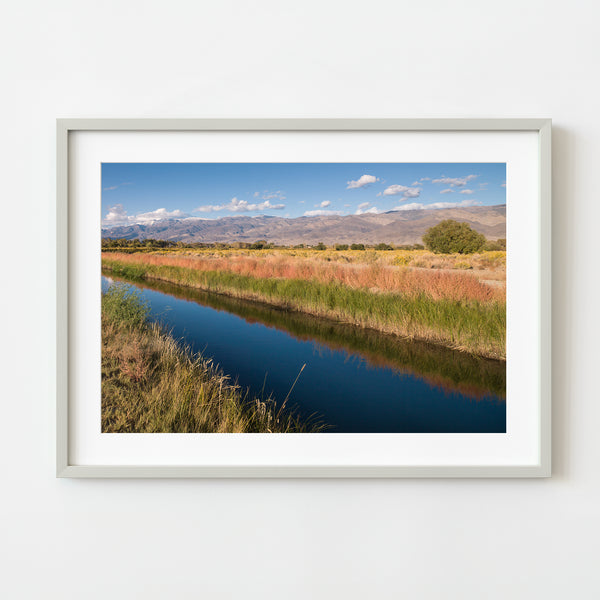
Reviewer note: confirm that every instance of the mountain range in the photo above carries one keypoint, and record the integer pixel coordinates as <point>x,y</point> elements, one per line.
<point>395,227</point>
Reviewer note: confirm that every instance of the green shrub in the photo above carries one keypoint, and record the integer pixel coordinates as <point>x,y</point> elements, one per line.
<point>123,303</point>
<point>259,245</point>
<point>402,260</point>
<point>496,246</point>
<point>452,237</point>
<point>462,265</point>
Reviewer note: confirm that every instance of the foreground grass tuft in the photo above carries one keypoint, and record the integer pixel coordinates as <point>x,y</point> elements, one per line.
<point>151,384</point>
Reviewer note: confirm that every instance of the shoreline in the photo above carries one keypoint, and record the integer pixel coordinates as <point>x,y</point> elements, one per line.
<point>437,365</point>
<point>325,304</point>
<point>153,384</point>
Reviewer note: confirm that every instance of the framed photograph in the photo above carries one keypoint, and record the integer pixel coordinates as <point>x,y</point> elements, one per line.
<point>303,298</point>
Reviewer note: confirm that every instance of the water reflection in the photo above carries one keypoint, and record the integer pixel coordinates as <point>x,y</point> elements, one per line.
<point>349,365</point>
<point>439,366</point>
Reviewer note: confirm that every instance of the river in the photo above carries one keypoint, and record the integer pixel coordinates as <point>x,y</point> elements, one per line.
<point>356,380</point>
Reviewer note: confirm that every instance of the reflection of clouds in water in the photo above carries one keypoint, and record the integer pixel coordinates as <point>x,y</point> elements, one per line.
<point>109,280</point>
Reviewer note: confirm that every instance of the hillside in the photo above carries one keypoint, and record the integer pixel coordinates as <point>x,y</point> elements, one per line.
<point>400,227</point>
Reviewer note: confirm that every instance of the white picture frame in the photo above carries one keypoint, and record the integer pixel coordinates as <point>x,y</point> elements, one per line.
<point>538,462</point>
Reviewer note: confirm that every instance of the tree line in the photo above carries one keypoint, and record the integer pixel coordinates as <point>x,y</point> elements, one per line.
<point>447,237</point>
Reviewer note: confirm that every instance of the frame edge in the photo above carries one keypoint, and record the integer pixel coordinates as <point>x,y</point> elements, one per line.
<point>545,283</point>
<point>65,470</point>
<point>62,297</point>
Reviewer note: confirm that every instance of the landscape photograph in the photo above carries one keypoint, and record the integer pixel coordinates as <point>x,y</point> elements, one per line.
<point>303,298</point>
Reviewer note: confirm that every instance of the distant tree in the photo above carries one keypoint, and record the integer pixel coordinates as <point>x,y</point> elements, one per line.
<point>418,247</point>
<point>383,246</point>
<point>495,246</point>
<point>259,245</point>
<point>452,237</point>
<point>341,246</point>
<point>320,246</point>
<point>357,247</point>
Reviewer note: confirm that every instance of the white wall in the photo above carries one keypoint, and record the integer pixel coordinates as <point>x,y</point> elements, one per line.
<point>296,539</point>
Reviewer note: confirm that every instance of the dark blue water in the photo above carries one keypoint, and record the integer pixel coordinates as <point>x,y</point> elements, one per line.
<point>356,381</point>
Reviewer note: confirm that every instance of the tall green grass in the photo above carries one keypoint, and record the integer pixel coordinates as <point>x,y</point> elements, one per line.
<point>152,384</point>
<point>124,305</point>
<point>477,327</point>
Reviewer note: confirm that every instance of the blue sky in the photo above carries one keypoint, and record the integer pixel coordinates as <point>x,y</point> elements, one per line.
<point>144,192</point>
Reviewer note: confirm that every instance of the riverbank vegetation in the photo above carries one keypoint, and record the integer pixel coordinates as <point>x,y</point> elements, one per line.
<point>152,384</point>
<point>456,301</point>
<point>438,366</point>
<point>489,264</point>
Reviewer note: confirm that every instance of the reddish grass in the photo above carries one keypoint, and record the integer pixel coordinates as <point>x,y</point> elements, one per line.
<point>376,277</point>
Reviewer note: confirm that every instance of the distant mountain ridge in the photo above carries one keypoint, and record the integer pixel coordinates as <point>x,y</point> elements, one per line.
<point>395,227</point>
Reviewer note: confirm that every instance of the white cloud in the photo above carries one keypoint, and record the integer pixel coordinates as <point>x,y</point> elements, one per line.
<point>117,215</point>
<point>235,205</point>
<point>467,191</point>
<point>455,181</point>
<point>436,205</point>
<point>321,213</point>
<point>362,181</point>
<point>462,203</point>
<point>266,195</point>
<point>425,179</point>
<point>503,184</point>
<point>412,193</point>
<point>446,191</point>
<point>158,214</point>
<point>366,211</point>
<point>324,204</point>
<point>415,183</point>
<point>363,209</point>
<point>115,187</point>
<point>407,192</point>
<point>410,206</point>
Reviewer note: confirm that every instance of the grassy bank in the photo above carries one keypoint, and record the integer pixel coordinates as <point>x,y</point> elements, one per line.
<point>371,272</point>
<point>472,325</point>
<point>438,366</point>
<point>151,384</point>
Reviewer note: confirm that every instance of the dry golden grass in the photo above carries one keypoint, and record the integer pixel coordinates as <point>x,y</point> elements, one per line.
<point>408,273</point>
<point>151,384</point>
